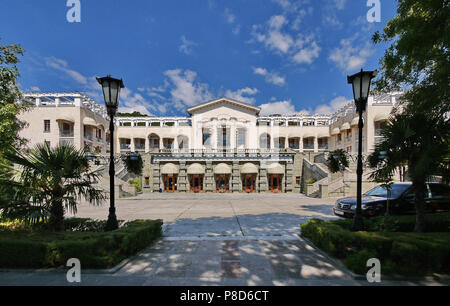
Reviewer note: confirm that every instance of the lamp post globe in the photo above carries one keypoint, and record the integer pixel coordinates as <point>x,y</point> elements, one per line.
<point>361,87</point>
<point>111,92</point>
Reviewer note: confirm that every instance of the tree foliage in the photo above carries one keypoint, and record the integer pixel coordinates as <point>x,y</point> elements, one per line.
<point>420,140</point>
<point>48,182</point>
<point>10,125</point>
<point>134,163</point>
<point>338,161</point>
<point>418,58</point>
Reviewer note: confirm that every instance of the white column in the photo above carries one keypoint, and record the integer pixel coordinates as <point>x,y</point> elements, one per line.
<point>57,102</point>
<point>133,149</point>
<point>316,144</point>
<point>175,143</point>
<point>147,145</point>
<point>300,145</point>
<point>38,102</point>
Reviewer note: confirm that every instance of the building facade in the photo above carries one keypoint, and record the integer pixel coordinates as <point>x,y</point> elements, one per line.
<point>222,146</point>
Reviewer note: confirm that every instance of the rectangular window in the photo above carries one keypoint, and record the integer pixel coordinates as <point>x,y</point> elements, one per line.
<point>46,126</point>
<point>241,138</point>
<point>298,181</point>
<point>147,182</point>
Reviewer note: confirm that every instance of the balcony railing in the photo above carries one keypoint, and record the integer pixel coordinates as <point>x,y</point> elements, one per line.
<point>66,141</point>
<point>222,152</point>
<point>125,147</point>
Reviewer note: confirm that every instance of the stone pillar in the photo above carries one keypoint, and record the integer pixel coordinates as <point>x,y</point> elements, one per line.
<point>323,191</point>
<point>161,143</point>
<point>289,176</point>
<point>300,145</point>
<point>236,177</point>
<point>57,102</point>
<point>316,144</point>
<point>132,146</point>
<point>182,183</point>
<point>209,177</point>
<point>263,183</point>
<point>157,178</point>
<point>38,101</point>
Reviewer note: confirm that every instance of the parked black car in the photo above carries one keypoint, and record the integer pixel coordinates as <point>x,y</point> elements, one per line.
<point>374,202</point>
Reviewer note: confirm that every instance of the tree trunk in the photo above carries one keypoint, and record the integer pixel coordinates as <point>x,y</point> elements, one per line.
<point>419,188</point>
<point>56,222</point>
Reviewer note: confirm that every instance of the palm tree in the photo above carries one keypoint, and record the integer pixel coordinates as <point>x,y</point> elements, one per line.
<point>419,140</point>
<point>49,182</point>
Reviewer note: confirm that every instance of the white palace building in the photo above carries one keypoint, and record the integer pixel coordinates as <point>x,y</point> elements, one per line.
<point>221,146</point>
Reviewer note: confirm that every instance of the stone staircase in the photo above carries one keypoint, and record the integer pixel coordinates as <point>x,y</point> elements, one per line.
<point>122,188</point>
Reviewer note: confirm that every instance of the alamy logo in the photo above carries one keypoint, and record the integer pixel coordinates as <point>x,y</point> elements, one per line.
<point>374,14</point>
<point>374,273</point>
<point>74,13</point>
<point>74,273</point>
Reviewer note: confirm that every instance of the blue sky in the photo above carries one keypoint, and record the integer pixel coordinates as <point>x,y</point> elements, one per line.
<point>286,56</point>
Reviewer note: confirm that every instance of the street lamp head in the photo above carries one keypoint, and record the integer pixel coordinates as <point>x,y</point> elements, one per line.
<point>383,155</point>
<point>134,156</point>
<point>111,92</point>
<point>361,86</point>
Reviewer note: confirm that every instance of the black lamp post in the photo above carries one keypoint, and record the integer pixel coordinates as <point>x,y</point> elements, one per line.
<point>361,87</point>
<point>111,92</point>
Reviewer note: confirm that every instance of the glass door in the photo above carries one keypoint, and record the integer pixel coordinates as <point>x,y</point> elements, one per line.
<point>223,183</point>
<point>275,183</point>
<point>196,183</point>
<point>170,183</point>
<point>249,183</point>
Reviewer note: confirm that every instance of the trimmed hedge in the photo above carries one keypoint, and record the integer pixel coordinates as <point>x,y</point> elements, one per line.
<point>95,250</point>
<point>400,253</point>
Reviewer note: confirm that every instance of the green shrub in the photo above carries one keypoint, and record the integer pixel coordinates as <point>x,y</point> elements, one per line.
<point>95,250</point>
<point>310,181</point>
<point>136,182</point>
<point>413,254</point>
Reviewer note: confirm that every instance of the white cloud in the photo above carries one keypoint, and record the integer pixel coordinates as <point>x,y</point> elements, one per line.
<point>349,57</point>
<point>230,17</point>
<point>332,107</point>
<point>340,4</point>
<point>186,46</point>
<point>242,95</point>
<point>270,77</point>
<point>62,65</point>
<point>308,50</point>
<point>303,50</point>
<point>186,91</point>
<point>134,102</point>
<point>280,107</point>
<point>35,88</point>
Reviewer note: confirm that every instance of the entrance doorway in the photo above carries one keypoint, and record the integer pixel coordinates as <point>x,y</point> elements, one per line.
<point>275,183</point>
<point>249,183</point>
<point>222,183</point>
<point>170,182</point>
<point>196,183</point>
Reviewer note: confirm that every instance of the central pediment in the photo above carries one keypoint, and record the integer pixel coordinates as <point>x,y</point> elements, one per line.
<point>224,102</point>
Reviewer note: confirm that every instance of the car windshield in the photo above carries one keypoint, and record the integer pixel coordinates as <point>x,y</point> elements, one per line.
<point>380,191</point>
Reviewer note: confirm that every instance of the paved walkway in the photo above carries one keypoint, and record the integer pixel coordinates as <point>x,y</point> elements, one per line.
<point>216,240</point>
